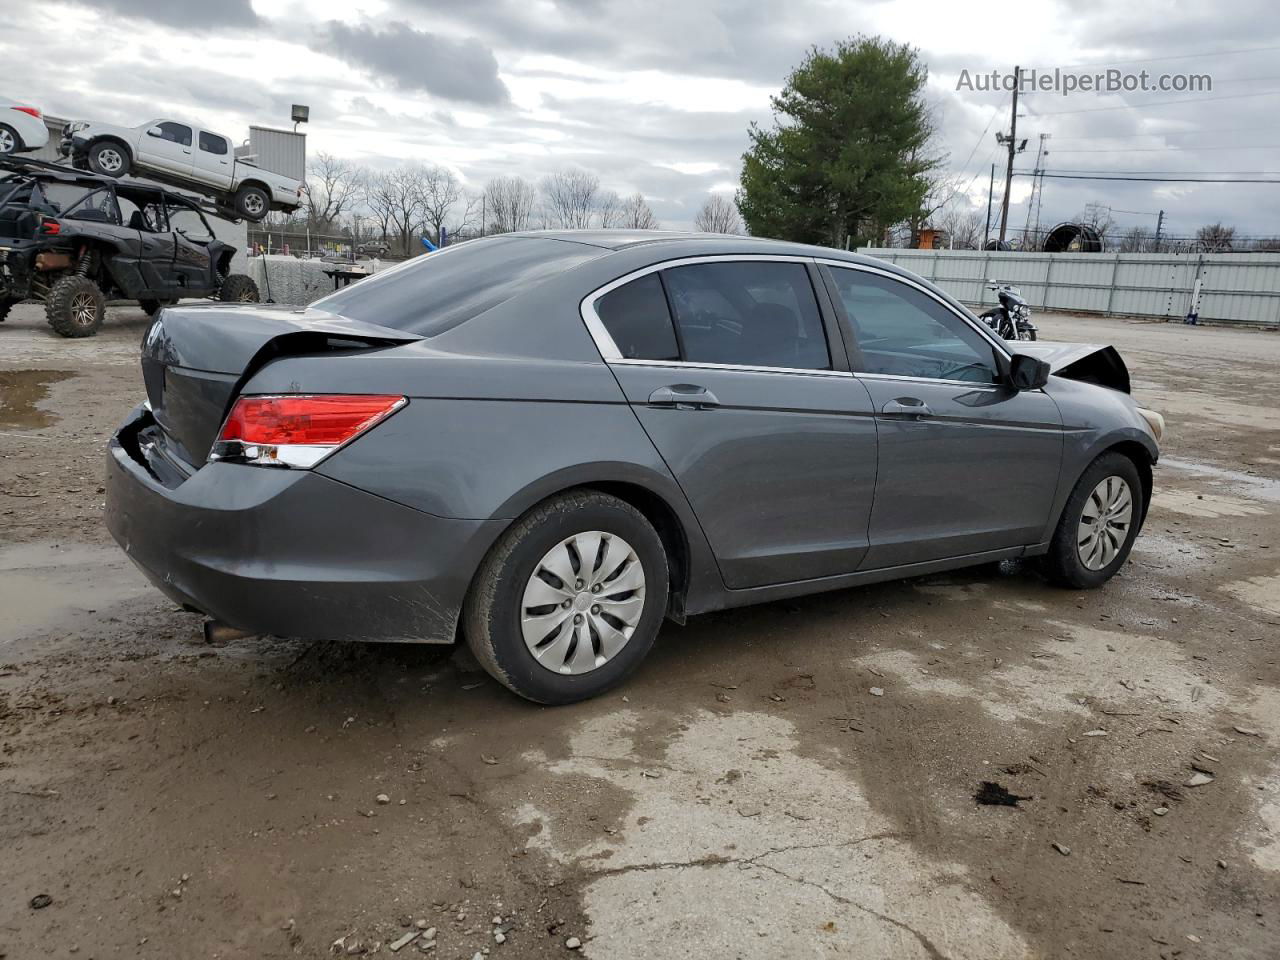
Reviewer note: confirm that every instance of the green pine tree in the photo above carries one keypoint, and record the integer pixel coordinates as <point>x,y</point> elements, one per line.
<point>850,149</point>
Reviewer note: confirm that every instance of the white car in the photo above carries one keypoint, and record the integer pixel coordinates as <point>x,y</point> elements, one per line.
<point>185,156</point>
<point>21,128</point>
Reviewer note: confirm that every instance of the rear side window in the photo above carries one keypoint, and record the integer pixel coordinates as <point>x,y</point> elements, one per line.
<point>430,294</point>
<point>756,313</point>
<point>638,320</point>
<point>210,143</point>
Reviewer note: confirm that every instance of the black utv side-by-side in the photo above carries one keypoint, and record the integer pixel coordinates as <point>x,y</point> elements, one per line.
<point>74,241</point>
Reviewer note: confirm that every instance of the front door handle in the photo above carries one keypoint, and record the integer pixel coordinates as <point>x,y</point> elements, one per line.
<point>907,407</point>
<point>683,396</point>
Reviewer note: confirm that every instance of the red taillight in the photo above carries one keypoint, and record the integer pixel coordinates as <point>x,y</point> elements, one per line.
<point>49,227</point>
<point>34,111</point>
<point>298,430</point>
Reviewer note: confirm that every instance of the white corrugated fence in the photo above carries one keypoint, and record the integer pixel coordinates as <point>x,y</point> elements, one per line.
<point>1233,288</point>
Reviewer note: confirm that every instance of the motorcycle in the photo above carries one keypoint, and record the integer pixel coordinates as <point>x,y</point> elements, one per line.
<point>1012,319</point>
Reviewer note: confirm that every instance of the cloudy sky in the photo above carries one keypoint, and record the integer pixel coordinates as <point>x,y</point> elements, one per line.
<point>656,96</point>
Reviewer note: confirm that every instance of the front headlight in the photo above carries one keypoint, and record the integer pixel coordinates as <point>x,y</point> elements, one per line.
<point>1154,421</point>
<point>76,127</point>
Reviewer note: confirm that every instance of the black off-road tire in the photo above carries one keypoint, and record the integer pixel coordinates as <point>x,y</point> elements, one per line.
<point>94,159</point>
<point>252,203</point>
<point>491,615</point>
<point>239,288</point>
<point>1062,565</point>
<point>5,306</point>
<point>152,307</point>
<point>75,307</point>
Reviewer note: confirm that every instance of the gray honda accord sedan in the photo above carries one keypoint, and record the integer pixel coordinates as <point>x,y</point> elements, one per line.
<point>547,443</point>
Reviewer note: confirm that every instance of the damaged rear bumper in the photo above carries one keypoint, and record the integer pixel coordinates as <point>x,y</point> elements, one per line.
<point>290,552</point>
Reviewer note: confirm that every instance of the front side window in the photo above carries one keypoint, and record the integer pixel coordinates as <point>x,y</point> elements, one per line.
<point>175,132</point>
<point>904,332</point>
<point>212,143</point>
<point>756,313</point>
<point>637,318</point>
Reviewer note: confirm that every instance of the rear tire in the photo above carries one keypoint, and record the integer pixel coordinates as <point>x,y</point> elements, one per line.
<point>108,158</point>
<point>152,307</point>
<point>239,288</point>
<point>252,203</point>
<point>75,307</point>
<point>5,306</point>
<point>10,142</point>
<point>504,601</point>
<point>1089,546</point>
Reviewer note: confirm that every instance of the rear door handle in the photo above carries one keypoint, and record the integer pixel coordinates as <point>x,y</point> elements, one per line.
<point>683,396</point>
<point>912,407</point>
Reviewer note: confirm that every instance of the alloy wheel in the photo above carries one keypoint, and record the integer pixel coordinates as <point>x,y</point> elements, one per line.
<point>253,204</point>
<point>7,143</point>
<point>84,309</point>
<point>1104,523</point>
<point>582,602</point>
<point>110,160</point>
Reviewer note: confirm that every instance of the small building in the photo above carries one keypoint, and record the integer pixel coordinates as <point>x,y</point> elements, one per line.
<point>927,238</point>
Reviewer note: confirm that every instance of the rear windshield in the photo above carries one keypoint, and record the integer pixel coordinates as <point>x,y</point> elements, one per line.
<point>430,294</point>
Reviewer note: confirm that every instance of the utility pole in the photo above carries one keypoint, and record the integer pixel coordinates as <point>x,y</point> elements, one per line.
<point>991,185</point>
<point>1159,229</point>
<point>1014,148</point>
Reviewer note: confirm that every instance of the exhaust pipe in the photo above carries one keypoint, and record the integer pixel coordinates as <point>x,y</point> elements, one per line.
<point>218,634</point>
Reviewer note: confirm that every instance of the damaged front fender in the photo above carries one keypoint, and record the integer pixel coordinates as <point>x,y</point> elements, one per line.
<point>1087,362</point>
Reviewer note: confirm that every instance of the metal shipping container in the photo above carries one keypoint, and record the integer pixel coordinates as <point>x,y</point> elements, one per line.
<point>280,151</point>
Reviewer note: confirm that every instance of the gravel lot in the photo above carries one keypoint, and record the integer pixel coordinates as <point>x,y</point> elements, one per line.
<point>744,796</point>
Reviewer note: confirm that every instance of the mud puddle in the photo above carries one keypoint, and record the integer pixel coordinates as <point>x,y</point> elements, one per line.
<point>21,392</point>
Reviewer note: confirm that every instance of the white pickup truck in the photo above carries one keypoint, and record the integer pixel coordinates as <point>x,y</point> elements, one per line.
<point>183,156</point>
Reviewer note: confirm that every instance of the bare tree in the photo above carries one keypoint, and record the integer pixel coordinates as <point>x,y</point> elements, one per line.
<point>395,199</point>
<point>1098,216</point>
<point>718,215</point>
<point>963,227</point>
<point>333,184</point>
<point>1215,238</point>
<point>441,192</point>
<point>569,197</point>
<point>609,209</point>
<point>1136,240</point>
<point>636,214</point>
<point>509,203</point>
<point>379,198</point>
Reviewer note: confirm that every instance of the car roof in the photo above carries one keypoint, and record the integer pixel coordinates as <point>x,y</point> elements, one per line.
<point>669,244</point>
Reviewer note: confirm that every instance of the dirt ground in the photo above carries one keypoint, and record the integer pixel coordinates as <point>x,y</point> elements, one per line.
<point>744,796</point>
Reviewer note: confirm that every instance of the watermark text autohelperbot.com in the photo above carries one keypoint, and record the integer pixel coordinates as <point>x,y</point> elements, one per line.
<point>1067,82</point>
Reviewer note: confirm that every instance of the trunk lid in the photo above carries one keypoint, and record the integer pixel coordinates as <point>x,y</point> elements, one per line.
<point>195,360</point>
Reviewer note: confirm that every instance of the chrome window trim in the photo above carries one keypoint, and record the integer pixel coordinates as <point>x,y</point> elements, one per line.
<point>972,324</point>
<point>972,384</point>
<point>611,354</point>
<point>705,365</point>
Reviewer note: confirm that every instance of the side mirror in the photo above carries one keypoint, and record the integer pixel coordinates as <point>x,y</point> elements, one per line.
<point>155,132</point>
<point>1028,373</point>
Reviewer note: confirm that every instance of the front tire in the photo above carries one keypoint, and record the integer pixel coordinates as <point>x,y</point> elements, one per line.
<point>239,288</point>
<point>1098,525</point>
<point>108,158</point>
<point>75,307</point>
<point>570,599</point>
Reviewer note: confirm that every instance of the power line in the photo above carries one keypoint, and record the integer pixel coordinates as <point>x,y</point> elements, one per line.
<point>1081,176</point>
<point>1180,56</point>
<point>1255,146</point>
<point>1167,133</point>
<point>1158,103</point>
